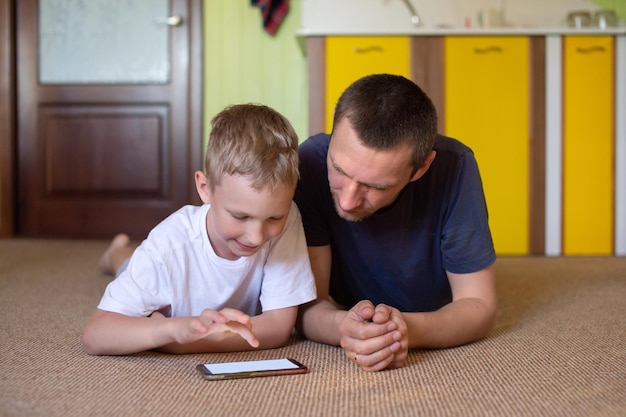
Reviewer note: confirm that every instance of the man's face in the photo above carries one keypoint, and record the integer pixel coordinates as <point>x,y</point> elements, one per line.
<point>364,180</point>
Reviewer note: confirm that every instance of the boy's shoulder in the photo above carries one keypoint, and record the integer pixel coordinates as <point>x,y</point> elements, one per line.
<point>184,224</point>
<point>294,214</point>
<point>293,223</point>
<point>294,211</point>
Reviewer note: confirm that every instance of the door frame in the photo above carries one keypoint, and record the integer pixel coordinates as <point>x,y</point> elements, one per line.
<point>7,118</point>
<point>8,106</point>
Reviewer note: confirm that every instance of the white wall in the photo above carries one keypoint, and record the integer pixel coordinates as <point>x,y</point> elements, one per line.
<point>372,15</point>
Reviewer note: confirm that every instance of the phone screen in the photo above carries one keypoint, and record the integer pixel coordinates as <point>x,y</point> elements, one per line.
<point>250,366</point>
<point>248,369</point>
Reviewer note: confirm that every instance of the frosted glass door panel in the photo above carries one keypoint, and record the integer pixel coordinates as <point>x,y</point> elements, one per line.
<point>103,41</point>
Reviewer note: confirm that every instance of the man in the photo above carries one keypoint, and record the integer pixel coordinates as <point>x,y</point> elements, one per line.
<point>397,229</point>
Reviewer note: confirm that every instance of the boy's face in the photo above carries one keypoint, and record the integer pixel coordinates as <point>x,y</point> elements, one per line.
<point>241,219</point>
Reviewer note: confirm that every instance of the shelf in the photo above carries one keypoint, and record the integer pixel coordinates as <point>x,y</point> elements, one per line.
<point>496,31</point>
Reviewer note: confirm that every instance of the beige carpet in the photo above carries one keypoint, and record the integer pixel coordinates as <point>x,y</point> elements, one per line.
<point>558,349</point>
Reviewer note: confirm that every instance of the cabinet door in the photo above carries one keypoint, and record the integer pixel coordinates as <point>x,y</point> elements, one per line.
<point>487,108</point>
<point>349,58</point>
<point>588,145</point>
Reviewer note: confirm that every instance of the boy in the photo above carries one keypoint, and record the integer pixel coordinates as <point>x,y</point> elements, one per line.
<point>226,276</point>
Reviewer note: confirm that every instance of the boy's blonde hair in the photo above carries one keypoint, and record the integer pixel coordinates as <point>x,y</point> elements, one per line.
<point>253,141</point>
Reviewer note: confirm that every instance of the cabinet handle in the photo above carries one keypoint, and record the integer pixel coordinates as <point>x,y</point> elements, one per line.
<point>488,50</point>
<point>360,50</point>
<point>596,48</point>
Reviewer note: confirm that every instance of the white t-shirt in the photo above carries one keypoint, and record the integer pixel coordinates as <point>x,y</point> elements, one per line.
<point>176,271</point>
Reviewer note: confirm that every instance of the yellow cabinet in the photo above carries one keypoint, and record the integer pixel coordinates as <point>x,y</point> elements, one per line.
<point>487,108</point>
<point>349,58</point>
<point>540,112</point>
<point>588,145</point>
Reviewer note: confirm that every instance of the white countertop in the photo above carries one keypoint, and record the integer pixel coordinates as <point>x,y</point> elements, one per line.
<point>444,31</point>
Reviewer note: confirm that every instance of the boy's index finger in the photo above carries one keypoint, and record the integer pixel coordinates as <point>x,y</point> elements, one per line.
<point>235,315</point>
<point>214,316</point>
<point>246,333</point>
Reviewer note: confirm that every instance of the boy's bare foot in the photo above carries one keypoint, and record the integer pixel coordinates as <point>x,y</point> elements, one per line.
<point>106,265</point>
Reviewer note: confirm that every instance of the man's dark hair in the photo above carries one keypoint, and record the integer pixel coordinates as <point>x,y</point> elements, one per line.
<point>387,111</point>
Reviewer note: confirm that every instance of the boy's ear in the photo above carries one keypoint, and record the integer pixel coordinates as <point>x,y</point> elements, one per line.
<point>203,187</point>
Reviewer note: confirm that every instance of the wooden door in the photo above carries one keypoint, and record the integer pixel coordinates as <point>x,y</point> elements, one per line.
<point>98,158</point>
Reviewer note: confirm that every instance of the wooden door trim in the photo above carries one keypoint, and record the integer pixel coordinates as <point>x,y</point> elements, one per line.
<point>427,71</point>
<point>316,67</point>
<point>537,146</point>
<point>195,94</point>
<point>7,118</point>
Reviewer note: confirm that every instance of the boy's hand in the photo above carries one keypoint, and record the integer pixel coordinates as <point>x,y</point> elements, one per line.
<point>211,322</point>
<point>229,320</point>
<point>372,336</point>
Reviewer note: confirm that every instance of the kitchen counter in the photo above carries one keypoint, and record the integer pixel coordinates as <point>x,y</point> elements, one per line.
<point>445,31</point>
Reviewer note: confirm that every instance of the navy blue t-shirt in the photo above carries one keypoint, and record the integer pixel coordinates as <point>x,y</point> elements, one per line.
<point>399,255</point>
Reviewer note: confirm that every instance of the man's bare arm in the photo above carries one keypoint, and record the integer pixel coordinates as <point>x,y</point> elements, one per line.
<point>469,317</point>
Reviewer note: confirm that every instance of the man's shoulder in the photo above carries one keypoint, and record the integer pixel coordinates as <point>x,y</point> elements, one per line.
<point>452,153</point>
<point>319,141</point>
<point>448,144</point>
<point>313,153</point>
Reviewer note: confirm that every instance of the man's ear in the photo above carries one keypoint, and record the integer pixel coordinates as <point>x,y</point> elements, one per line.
<point>422,170</point>
<point>203,187</point>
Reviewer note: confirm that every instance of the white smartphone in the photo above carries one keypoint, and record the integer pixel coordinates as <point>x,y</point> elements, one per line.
<point>249,369</point>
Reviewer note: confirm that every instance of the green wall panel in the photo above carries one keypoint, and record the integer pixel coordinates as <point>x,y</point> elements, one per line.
<point>245,64</point>
<point>618,5</point>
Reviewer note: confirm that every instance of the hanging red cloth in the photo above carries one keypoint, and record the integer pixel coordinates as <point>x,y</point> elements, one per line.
<point>273,13</point>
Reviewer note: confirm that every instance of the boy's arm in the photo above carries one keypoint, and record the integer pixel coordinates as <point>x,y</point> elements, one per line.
<point>272,329</point>
<point>109,333</point>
